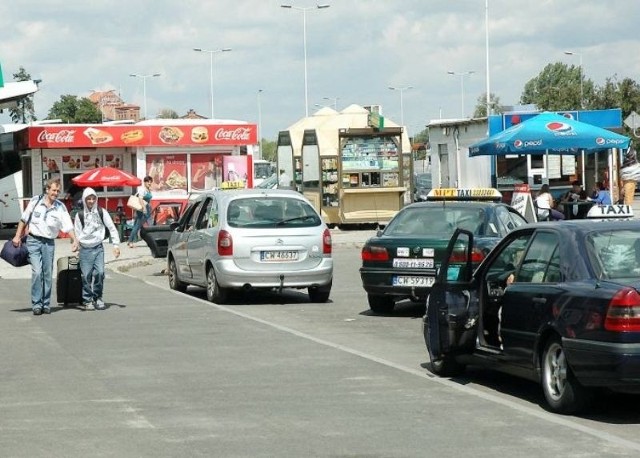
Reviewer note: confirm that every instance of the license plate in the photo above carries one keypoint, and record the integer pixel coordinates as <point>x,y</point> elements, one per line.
<point>413,263</point>
<point>278,256</point>
<point>406,280</point>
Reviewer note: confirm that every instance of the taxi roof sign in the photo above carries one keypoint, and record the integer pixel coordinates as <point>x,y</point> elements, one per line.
<point>479,194</point>
<point>610,212</point>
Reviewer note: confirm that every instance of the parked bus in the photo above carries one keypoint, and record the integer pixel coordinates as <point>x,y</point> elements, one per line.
<point>10,176</point>
<point>262,169</point>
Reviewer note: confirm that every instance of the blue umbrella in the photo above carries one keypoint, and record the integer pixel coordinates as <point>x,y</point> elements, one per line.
<point>550,133</point>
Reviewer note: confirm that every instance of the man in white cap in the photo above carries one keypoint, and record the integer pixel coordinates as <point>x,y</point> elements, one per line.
<point>90,225</point>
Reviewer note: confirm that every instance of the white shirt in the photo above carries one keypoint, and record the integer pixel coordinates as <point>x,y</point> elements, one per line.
<point>93,232</point>
<point>47,221</point>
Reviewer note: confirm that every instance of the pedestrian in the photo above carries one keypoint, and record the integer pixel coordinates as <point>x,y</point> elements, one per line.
<point>284,180</point>
<point>48,216</point>
<point>141,216</point>
<point>89,226</point>
<point>545,204</point>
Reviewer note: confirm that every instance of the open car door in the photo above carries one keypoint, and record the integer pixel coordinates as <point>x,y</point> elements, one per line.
<point>451,319</point>
<point>158,233</point>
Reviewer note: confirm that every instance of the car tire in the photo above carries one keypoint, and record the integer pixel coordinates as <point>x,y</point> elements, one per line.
<point>563,392</point>
<point>447,366</point>
<point>215,293</point>
<point>174,282</point>
<point>380,304</point>
<point>319,294</point>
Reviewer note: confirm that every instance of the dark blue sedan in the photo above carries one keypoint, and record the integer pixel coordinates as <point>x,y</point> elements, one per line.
<point>558,303</point>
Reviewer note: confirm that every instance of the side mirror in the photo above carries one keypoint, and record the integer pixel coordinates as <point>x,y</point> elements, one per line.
<point>174,226</point>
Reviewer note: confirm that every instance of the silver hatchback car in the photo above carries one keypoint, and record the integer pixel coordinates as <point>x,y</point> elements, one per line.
<point>251,239</point>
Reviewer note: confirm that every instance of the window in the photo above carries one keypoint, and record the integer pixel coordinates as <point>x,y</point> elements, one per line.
<point>538,258</point>
<point>615,253</point>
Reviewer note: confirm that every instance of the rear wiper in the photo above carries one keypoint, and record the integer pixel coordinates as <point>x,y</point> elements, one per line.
<point>297,218</point>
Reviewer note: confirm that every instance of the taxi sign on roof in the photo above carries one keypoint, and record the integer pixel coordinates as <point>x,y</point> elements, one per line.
<point>610,212</point>
<point>490,194</point>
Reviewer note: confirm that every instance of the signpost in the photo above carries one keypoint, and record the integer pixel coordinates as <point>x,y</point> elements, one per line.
<point>633,122</point>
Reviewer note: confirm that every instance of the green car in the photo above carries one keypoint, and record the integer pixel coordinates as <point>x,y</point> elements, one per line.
<point>401,262</point>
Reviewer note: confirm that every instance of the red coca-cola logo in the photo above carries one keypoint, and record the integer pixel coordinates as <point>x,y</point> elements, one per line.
<point>239,133</point>
<point>61,136</point>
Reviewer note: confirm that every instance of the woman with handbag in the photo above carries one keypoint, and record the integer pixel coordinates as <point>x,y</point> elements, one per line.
<point>141,216</point>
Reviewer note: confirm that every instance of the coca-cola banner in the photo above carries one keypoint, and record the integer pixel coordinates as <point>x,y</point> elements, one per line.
<point>102,136</point>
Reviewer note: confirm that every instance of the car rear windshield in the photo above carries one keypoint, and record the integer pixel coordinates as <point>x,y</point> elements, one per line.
<point>271,212</point>
<point>438,220</point>
<point>615,253</point>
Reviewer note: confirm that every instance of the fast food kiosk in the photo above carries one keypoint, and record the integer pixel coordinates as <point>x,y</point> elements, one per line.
<point>353,165</point>
<point>181,155</point>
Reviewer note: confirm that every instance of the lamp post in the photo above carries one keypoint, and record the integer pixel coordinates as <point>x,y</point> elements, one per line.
<point>462,75</point>
<point>486,39</point>
<point>401,90</point>
<point>579,54</point>
<point>260,122</point>
<point>211,53</point>
<point>304,43</point>
<point>144,87</point>
<point>335,101</point>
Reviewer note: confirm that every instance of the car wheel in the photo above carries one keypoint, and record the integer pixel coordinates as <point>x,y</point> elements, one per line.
<point>447,366</point>
<point>174,283</point>
<point>319,293</point>
<point>563,392</point>
<point>215,293</point>
<point>381,304</point>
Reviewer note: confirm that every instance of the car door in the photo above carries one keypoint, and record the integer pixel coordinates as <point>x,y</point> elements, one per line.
<point>528,300</point>
<point>180,240</point>
<point>451,315</point>
<point>200,238</point>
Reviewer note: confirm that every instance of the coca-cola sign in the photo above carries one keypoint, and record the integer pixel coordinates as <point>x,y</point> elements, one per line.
<point>236,134</point>
<point>65,136</point>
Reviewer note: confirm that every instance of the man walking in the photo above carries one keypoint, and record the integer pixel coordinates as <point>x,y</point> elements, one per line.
<point>47,216</point>
<point>90,225</point>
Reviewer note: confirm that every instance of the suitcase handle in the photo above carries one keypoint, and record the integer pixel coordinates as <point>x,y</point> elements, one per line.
<point>73,260</point>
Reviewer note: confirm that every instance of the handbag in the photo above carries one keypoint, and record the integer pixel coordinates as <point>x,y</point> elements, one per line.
<point>136,203</point>
<point>17,256</point>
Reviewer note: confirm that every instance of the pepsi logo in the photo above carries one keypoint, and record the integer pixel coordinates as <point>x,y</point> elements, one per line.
<point>600,141</point>
<point>557,126</point>
<point>518,143</point>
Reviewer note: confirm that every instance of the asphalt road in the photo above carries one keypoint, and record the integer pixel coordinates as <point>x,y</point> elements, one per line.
<point>166,374</point>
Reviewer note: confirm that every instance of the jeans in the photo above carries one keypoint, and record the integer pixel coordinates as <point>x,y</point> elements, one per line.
<point>91,261</point>
<point>41,253</point>
<point>137,224</point>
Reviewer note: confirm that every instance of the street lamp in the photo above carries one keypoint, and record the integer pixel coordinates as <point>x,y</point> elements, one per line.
<point>304,37</point>
<point>461,75</point>
<point>144,87</point>
<point>401,90</point>
<point>579,54</point>
<point>211,53</point>
<point>335,101</point>
<point>486,39</point>
<point>260,122</point>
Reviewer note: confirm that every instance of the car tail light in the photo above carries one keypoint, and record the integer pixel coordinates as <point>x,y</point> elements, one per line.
<point>374,253</point>
<point>623,314</point>
<point>461,256</point>
<point>225,244</point>
<point>326,242</point>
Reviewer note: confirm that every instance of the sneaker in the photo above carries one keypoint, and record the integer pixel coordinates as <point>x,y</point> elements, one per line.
<point>46,311</point>
<point>37,311</point>
<point>100,305</point>
<point>89,306</point>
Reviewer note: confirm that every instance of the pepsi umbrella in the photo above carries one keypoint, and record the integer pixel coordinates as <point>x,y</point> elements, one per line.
<point>550,133</point>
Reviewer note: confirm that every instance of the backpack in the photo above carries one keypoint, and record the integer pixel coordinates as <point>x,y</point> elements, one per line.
<point>107,233</point>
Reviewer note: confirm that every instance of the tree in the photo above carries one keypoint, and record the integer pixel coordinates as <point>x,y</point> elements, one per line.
<point>557,88</point>
<point>72,109</point>
<point>24,111</point>
<point>269,150</point>
<point>481,105</point>
<point>167,113</point>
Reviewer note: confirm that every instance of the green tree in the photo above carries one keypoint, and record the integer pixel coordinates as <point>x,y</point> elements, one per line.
<point>269,150</point>
<point>71,109</point>
<point>24,111</point>
<point>557,88</point>
<point>168,113</point>
<point>480,110</point>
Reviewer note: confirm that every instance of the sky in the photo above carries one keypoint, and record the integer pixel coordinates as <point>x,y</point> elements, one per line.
<point>356,50</point>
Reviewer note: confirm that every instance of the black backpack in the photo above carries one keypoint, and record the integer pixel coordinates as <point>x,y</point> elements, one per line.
<point>107,233</point>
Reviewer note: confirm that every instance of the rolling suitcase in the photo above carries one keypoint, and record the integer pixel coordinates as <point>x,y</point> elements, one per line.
<point>69,281</point>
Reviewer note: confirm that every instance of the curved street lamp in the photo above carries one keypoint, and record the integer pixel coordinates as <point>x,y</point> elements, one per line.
<point>211,53</point>
<point>461,75</point>
<point>144,87</point>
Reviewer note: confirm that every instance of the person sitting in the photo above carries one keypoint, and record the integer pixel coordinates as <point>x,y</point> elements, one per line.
<point>545,205</point>
<point>601,194</point>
